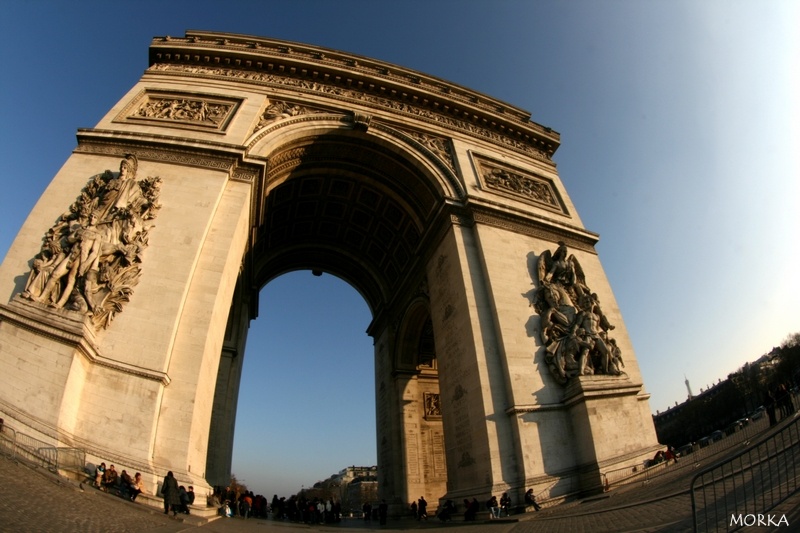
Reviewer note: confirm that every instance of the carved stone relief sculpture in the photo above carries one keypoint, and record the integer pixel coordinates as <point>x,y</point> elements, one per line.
<point>277,110</point>
<point>574,330</point>
<point>498,178</point>
<point>89,261</point>
<point>180,110</point>
<point>184,110</point>
<point>437,145</point>
<point>518,184</point>
<point>432,405</point>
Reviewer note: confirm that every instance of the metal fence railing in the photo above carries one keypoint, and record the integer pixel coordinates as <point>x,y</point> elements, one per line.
<point>734,493</point>
<point>544,496</point>
<point>693,459</point>
<point>26,448</point>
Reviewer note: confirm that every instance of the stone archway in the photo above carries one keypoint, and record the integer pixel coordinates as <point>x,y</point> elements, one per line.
<point>341,202</point>
<point>244,158</point>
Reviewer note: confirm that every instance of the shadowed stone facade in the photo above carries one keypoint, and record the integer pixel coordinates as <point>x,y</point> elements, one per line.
<point>440,205</point>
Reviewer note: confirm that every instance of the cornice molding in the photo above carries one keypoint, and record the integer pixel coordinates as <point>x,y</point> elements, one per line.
<point>352,78</point>
<point>70,328</point>
<point>213,156</point>
<point>535,226</point>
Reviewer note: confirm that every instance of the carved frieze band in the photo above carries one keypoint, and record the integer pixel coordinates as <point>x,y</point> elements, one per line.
<point>184,110</point>
<point>248,175</point>
<point>171,156</point>
<point>67,330</point>
<point>522,409</point>
<point>367,67</point>
<point>518,184</point>
<point>347,94</point>
<point>578,239</point>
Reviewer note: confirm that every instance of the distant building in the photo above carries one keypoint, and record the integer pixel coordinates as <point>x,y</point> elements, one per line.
<point>698,416</point>
<point>352,486</point>
<point>347,475</point>
<point>359,492</point>
<point>722,405</point>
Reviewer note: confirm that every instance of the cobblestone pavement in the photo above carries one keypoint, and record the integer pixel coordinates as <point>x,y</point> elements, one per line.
<point>34,500</point>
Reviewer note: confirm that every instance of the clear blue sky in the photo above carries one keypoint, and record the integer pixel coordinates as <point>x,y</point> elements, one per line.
<point>680,129</point>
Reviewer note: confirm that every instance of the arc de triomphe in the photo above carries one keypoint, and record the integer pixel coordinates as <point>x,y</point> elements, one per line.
<point>501,359</point>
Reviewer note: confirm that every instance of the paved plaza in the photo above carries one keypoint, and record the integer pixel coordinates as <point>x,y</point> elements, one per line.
<point>34,500</point>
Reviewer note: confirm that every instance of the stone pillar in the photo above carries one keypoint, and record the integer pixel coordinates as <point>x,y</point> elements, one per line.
<point>137,393</point>
<point>478,444</point>
<point>603,438</point>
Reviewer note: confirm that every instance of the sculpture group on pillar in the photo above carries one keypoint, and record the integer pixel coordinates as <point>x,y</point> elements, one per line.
<point>89,261</point>
<point>574,329</point>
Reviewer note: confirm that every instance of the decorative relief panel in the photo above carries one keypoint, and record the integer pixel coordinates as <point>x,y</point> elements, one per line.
<point>432,406</point>
<point>574,329</point>
<point>188,111</point>
<point>89,261</point>
<point>518,184</point>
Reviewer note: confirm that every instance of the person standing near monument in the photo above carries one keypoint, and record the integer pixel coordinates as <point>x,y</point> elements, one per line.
<point>367,510</point>
<point>383,512</point>
<point>422,508</point>
<point>171,494</point>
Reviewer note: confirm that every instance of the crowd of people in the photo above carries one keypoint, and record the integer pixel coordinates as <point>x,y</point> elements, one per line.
<point>497,509</point>
<point>177,498</point>
<point>244,504</point>
<point>120,484</point>
<point>778,403</point>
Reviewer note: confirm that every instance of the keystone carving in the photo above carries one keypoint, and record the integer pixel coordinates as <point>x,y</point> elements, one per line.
<point>574,329</point>
<point>89,261</point>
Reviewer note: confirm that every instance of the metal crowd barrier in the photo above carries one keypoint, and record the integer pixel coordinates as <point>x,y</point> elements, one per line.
<point>645,474</point>
<point>34,451</point>
<point>744,489</point>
